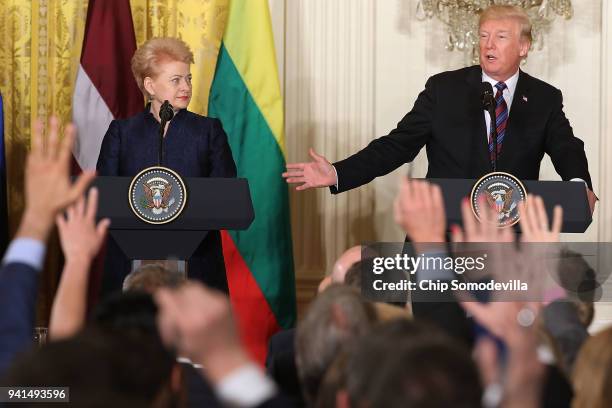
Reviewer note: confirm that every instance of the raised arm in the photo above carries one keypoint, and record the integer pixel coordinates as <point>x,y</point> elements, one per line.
<point>81,239</point>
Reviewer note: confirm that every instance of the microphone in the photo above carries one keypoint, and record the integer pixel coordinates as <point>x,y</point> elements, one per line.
<point>489,104</point>
<point>166,113</point>
<point>486,96</point>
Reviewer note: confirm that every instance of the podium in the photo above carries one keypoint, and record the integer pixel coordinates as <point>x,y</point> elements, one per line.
<point>571,195</point>
<point>212,204</point>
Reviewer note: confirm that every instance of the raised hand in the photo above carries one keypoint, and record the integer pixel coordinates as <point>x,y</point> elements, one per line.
<point>79,235</point>
<point>419,210</point>
<point>521,378</point>
<point>198,323</point>
<point>317,173</point>
<point>534,221</point>
<point>485,230</point>
<point>48,188</point>
<point>81,239</point>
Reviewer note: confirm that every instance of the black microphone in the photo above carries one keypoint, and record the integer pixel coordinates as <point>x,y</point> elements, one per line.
<point>486,96</point>
<point>489,104</point>
<point>166,113</point>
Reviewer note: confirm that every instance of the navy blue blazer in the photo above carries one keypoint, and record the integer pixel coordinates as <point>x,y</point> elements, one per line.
<point>194,146</point>
<point>18,288</point>
<point>448,119</point>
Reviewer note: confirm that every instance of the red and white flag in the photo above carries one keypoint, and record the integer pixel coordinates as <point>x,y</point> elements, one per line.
<point>105,88</point>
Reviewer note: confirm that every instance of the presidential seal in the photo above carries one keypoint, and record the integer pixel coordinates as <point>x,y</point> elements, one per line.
<point>502,192</point>
<point>157,195</point>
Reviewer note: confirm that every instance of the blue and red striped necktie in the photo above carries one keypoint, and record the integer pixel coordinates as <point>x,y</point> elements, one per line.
<point>501,113</point>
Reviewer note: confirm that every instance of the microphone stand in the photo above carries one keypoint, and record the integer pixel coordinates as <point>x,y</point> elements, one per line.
<point>161,142</point>
<point>490,104</point>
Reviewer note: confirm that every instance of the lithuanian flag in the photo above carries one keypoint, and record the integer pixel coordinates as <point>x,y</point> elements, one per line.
<point>245,95</point>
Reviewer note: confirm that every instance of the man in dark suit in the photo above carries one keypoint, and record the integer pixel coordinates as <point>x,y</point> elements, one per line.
<point>449,120</point>
<point>48,190</point>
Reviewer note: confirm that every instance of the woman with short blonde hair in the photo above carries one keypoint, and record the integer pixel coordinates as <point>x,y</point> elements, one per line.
<point>146,59</point>
<point>192,146</point>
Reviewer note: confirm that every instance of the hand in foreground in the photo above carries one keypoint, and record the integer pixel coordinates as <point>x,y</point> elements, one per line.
<point>534,221</point>
<point>80,237</point>
<point>317,173</point>
<point>520,380</point>
<point>419,210</point>
<point>48,188</point>
<point>198,323</point>
<point>485,230</point>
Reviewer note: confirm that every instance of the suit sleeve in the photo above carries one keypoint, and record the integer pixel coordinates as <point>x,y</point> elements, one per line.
<point>18,287</point>
<point>220,155</point>
<point>565,150</point>
<point>387,153</point>
<point>108,160</point>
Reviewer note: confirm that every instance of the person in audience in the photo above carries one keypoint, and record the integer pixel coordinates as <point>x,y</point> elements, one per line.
<point>565,332</point>
<point>102,368</point>
<point>579,280</point>
<point>81,239</point>
<point>148,278</point>
<point>403,363</point>
<point>592,376</point>
<point>335,316</point>
<point>48,191</point>
<point>566,321</point>
<point>341,266</point>
<point>197,322</point>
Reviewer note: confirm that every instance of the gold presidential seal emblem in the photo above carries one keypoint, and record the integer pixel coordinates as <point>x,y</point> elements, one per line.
<point>157,195</point>
<point>502,192</point>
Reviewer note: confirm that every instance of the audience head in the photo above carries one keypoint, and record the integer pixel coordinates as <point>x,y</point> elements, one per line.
<point>102,368</point>
<point>592,377</point>
<point>344,262</point>
<point>148,278</point>
<point>335,316</point>
<point>579,281</point>
<point>161,69</point>
<point>407,364</point>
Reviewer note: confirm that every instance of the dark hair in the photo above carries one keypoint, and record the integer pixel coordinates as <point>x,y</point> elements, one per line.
<point>407,364</point>
<point>129,311</point>
<point>353,274</point>
<point>102,368</point>
<point>580,283</point>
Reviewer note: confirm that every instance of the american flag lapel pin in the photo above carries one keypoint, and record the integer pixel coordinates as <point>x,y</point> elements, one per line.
<point>524,98</point>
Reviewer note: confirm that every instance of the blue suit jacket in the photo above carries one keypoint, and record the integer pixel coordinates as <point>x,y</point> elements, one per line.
<point>18,288</point>
<point>194,146</point>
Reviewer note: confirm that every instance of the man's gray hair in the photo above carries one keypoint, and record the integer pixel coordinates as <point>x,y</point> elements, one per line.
<point>150,277</point>
<point>336,316</point>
